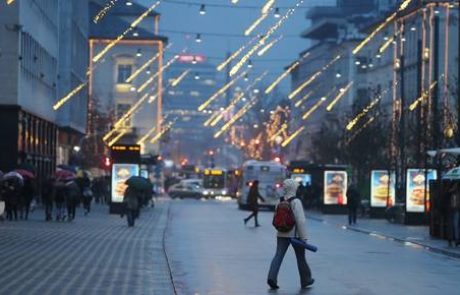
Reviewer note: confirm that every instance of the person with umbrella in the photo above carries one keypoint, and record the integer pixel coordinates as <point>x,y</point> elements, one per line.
<point>84,183</point>
<point>72,196</point>
<point>134,195</point>
<point>60,191</point>
<point>11,188</point>
<point>27,192</point>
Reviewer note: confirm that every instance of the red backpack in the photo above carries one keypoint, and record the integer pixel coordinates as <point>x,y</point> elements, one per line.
<point>284,219</point>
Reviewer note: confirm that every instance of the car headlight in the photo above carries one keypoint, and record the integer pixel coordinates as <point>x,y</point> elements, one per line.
<point>224,192</point>
<point>205,193</point>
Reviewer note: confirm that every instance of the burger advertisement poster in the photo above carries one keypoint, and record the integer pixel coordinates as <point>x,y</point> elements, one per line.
<point>121,173</point>
<point>415,192</point>
<point>335,188</point>
<point>382,188</point>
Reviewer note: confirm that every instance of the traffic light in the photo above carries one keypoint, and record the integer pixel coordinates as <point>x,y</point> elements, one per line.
<point>107,162</point>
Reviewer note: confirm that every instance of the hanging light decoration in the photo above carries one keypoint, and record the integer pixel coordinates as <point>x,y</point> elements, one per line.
<point>198,38</point>
<point>139,53</point>
<point>129,3</point>
<point>277,13</point>
<point>202,9</point>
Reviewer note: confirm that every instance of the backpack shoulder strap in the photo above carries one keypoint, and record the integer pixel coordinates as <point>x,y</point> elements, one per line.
<point>292,199</point>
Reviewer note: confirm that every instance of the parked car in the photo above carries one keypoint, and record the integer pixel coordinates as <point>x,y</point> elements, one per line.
<point>185,190</point>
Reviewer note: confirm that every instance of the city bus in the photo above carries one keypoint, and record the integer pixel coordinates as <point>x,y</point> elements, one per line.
<point>270,175</point>
<point>215,183</point>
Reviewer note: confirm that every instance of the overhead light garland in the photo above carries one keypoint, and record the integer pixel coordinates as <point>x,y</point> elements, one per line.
<point>269,46</point>
<point>304,98</point>
<point>425,95</point>
<point>117,138</point>
<point>263,39</point>
<point>236,117</point>
<point>264,14</point>
<point>341,93</point>
<point>314,108</point>
<point>9,2</point>
<point>292,136</point>
<point>63,100</point>
<point>313,77</point>
<point>219,92</point>
<point>145,65</point>
<point>181,77</point>
<point>152,79</point>
<point>102,13</point>
<point>132,26</point>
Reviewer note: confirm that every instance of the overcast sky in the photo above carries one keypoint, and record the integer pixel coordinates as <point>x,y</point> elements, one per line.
<point>186,18</point>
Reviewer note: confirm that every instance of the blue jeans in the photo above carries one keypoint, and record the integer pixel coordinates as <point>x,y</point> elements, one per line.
<point>282,244</point>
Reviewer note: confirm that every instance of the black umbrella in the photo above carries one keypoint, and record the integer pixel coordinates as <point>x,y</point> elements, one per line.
<point>139,183</point>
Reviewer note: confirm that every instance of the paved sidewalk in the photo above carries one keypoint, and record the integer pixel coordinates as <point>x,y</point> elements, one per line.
<point>411,236</point>
<point>97,254</point>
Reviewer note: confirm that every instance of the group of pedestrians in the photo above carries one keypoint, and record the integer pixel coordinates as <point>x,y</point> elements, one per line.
<point>64,195</point>
<point>17,194</point>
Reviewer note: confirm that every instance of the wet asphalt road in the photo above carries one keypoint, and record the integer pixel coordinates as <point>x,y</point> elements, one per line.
<point>212,252</point>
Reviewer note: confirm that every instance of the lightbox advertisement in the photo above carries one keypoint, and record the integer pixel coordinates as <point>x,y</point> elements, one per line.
<point>121,173</point>
<point>335,187</point>
<point>382,189</point>
<point>416,189</point>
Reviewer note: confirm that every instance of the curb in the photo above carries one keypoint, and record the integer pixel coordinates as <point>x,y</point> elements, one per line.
<point>406,242</point>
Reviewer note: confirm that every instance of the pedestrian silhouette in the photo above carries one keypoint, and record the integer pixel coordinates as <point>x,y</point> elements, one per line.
<point>284,240</point>
<point>253,197</point>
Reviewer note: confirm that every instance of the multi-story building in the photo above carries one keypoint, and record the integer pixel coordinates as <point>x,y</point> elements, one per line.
<point>125,76</point>
<point>327,70</point>
<point>182,102</point>
<point>34,57</point>
<point>72,66</point>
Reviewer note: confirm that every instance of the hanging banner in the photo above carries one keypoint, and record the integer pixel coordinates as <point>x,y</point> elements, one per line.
<point>382,189</point>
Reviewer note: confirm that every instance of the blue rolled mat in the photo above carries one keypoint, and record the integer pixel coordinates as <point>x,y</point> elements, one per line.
<point>304,244</point>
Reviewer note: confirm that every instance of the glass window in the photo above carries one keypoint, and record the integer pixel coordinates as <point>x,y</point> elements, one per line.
<point>124,71</point>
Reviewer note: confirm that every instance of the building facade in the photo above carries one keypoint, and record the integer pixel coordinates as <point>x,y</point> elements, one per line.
<point>32,63</point>
<point>127,79</point>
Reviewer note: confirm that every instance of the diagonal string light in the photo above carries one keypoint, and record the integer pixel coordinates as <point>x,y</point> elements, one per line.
<point>66,98</point>
<point>236,117</point>
<point>313,77</point>
<point>341,94</point>
<point>269,46</point>
<point>264,14</point>
<point>181,77</point>
<point>415,104</point>
<point>303,99</point>
<point>9,2</point>
<point>147,135</point>
<point>314,108</point>
<point>117,138</point>
<point>103,12</point>
<point>131,27</point>
<point>264,38</point>
<point>237,99</point>
<point>392,17</point>
<point>235,54</point>
<point>152,79</point>
<point>219,92</point>
<point>293,136</point>
<point>145,66</point>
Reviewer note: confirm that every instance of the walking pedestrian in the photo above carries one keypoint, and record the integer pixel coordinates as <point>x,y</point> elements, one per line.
<point>11,190</point>
<point>131,202</point>
<point>26,197</point>
<point>84,183</point>
<point>72,196</point>
<point>253,197</point>
<point>353,203</point>
<point>284,240</point>
<point>59,196</point>
<point>48,197</point>
<point>454,214</point>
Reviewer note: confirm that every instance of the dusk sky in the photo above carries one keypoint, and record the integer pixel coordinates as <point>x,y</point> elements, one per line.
<point>227,20</point>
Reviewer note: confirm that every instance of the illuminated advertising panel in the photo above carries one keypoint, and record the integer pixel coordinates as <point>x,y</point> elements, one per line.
<point>382,188</point>
<point>416,189</point>
<point>335,187</point>
<point>121,173</point>
<point>305,179</point>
